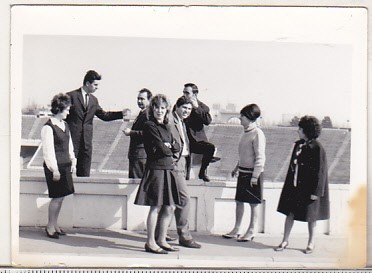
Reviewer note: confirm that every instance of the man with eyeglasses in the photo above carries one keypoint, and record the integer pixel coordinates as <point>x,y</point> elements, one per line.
<point>195,123</point>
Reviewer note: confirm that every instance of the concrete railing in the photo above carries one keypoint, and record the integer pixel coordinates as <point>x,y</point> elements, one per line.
<point>109,203</point>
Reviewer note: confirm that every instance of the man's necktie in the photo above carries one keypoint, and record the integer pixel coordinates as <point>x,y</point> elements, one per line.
<point>86,101</point>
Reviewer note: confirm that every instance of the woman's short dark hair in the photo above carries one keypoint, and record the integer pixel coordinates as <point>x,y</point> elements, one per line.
<point>148,93</point>
<point>251,111</point>
<point>156,101</point>
<point>59,103</point>
<point>310,126</point>
<point>91,76</point>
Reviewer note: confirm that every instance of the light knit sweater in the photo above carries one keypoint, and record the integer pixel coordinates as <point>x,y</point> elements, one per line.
<point>252,150</point>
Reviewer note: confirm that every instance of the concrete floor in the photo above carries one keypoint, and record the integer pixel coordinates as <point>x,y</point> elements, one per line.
<point>121,248</point>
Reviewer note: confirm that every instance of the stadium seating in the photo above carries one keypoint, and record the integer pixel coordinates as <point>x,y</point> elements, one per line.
<point>110,149</point>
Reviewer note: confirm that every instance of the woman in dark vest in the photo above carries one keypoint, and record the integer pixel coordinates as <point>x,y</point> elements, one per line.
<point>59,161</point>
<point>305,195</point>
<point>158,188</point>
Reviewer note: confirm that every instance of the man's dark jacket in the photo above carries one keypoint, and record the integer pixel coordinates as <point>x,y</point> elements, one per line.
<point>80,120</point>
<point>136,146</point>
<point>195,123</point>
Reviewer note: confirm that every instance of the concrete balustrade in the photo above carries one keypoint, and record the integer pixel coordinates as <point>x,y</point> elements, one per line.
<point>109,203</point>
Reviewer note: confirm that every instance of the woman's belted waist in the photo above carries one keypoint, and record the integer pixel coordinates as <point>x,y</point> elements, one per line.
<point>245,170</point>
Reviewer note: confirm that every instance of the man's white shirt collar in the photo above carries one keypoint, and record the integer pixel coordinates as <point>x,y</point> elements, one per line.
<point>83,93</point>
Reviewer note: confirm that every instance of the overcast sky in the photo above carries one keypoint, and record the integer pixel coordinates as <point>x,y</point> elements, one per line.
<point>287,60</point>
<point>282,78</point>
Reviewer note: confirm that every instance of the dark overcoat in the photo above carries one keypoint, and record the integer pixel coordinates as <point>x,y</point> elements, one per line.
<point>312,179</point>
<point>136,146</point>
<point>80,121</point>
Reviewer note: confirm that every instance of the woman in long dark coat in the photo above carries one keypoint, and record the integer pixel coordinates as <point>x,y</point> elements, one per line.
<point>158,188</point>
<point>305,195</point>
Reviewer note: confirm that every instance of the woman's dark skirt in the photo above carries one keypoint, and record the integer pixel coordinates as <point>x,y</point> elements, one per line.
<point>64,186</point>
<point>157,188</point>
<point>245,192</point>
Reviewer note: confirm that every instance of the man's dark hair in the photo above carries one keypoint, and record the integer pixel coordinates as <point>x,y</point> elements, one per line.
<point>181,101</point>
<point>251,112</point>
<point>91,76</point>
<point>59,103</point>
<point>310,126</point>
<point>148,92</point>
<point>195,89</point>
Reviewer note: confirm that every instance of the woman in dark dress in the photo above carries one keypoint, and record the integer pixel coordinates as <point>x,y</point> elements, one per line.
<point>158,188</point>
<point>59,161</point>
<point>305,195</point>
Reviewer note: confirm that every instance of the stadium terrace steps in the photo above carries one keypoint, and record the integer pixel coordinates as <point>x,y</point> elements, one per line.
<point>118,160</point>
<point>104,134</point>
<point>279,144</point>
<point>27,123</point>
<point>226,139</point>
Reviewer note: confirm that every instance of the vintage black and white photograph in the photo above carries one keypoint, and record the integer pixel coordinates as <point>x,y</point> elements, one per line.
<point>188,136</point>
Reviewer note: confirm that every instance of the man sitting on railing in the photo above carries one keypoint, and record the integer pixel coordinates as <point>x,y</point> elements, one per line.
<point>195,129</point>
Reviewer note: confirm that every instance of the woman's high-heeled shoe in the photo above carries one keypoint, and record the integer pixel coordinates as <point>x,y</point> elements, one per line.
<point>309,249</point>
<point>53,235</point>
<point>61,232</point>
<point>230,236</point>
<point>155,251</point>
<point>281,247</point>
<point>169,248</point>
<point>246,239</point>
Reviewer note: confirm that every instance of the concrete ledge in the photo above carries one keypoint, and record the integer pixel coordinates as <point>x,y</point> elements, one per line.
<point>105,201</point>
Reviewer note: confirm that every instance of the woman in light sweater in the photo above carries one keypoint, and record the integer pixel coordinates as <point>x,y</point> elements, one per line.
<point>250,167</point>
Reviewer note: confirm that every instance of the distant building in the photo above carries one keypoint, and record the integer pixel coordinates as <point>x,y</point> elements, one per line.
<point>225,116</point>
<point>43,114</point>
<point>234,120</point>
<point>216,106</point>
<point>221,115</point>
<point>230,107</point>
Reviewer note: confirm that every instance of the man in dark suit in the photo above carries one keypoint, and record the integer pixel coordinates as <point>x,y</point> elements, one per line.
<point>136,153</point>
<point>181,111</point>
<point>84,106</point>
<point>195,129</point>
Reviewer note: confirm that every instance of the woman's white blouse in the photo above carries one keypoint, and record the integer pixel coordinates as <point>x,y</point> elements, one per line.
<point>47,141</point>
